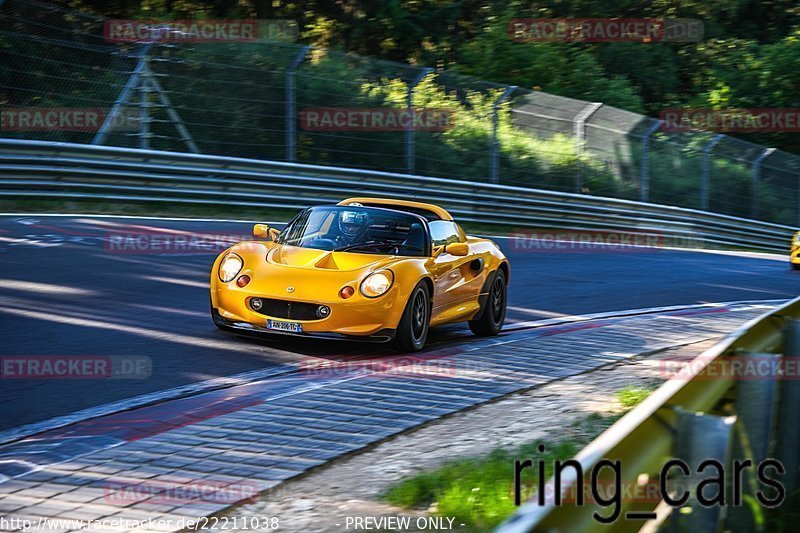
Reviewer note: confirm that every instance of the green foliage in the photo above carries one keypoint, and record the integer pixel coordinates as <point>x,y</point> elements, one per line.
<point>556,68</point>
<point>233,96</point>
<point>748,56</point>
<point>630,397</point>
<point>479,491</point>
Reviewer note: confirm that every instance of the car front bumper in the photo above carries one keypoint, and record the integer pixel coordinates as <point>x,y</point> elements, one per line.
<point>356,317</point>
<point>385,335</point>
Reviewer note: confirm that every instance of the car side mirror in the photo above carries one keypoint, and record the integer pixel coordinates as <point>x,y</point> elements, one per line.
<point>454,248</point>
<point>263,230</point>
<point>457,248</point>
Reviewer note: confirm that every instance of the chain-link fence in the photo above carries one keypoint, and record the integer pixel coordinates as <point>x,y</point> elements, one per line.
<point>270,100</point>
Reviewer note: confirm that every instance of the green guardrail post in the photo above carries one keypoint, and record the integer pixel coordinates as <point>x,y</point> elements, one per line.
<point>756,396</point>
<point>787,426</point>
<point>755,402</point>
<point>700,438</point>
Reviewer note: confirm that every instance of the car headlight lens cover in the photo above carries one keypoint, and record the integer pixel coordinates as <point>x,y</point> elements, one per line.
<point>230,266</point>
<point>377,283</point>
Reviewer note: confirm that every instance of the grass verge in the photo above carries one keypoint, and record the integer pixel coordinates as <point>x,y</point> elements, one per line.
<point>479,491</point>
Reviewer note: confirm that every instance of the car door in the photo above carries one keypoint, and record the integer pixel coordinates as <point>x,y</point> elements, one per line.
<point>454,279</point>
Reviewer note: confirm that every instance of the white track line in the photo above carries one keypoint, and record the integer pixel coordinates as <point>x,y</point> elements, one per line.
<point>571,319</point>
<point>246,377</point>
<point>21,432</point>
<point>192,389</point>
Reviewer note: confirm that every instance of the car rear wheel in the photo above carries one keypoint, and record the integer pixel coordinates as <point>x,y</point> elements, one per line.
<point>413,328</point>
<point>491,320</point>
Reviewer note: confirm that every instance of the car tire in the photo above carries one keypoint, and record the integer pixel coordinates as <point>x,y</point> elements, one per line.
<point>492,318</point>
<point>412,331</point>
<point>795,266</point>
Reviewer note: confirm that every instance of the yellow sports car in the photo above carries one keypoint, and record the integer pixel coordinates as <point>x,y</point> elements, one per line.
<point>794,252</point>
<point>366,268</point>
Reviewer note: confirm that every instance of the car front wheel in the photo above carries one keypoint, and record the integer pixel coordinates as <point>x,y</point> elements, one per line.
<point>413,328</point>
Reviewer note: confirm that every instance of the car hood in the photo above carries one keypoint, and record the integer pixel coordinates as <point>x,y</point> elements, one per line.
<point>308,275</point>
<point>280,255</point>
<point>293,256</point>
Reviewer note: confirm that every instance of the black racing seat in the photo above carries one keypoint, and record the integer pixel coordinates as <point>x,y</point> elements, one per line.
<point>416,237</point>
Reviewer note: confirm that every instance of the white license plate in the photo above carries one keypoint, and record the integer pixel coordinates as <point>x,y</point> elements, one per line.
<point>292,327</point>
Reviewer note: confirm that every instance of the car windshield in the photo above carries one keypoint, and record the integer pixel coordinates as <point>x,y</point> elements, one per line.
<point>357,229</point>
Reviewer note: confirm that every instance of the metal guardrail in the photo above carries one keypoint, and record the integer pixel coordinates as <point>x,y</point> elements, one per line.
<point>43,169</point>
<point>702,413</point>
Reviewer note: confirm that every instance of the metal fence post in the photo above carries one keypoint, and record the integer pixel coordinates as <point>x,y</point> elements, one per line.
<point>410,124</point>
<point>704,178</point>
<point>580,139</point>
<point>144,106</point>
<point>176,119</point>
<point>494,154</point>
<point>124,95</point>
<point>757,180</point>
<point>644,174</point>
<point>291,104</point>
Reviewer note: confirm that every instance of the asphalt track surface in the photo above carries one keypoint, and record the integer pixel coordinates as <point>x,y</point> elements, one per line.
<point>67,290</point>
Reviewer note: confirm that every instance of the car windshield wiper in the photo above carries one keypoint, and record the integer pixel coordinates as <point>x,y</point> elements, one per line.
<point>368,244</point>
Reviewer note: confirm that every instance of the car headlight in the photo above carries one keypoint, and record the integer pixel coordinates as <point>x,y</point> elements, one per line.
<point>230,266</point>
<point>796,240</point>
<point>377,283</point>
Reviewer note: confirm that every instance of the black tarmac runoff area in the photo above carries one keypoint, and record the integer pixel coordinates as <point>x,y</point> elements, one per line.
<point>68,288</point>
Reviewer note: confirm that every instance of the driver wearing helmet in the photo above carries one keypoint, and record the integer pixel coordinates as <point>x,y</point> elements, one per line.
<point>353,227</point>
